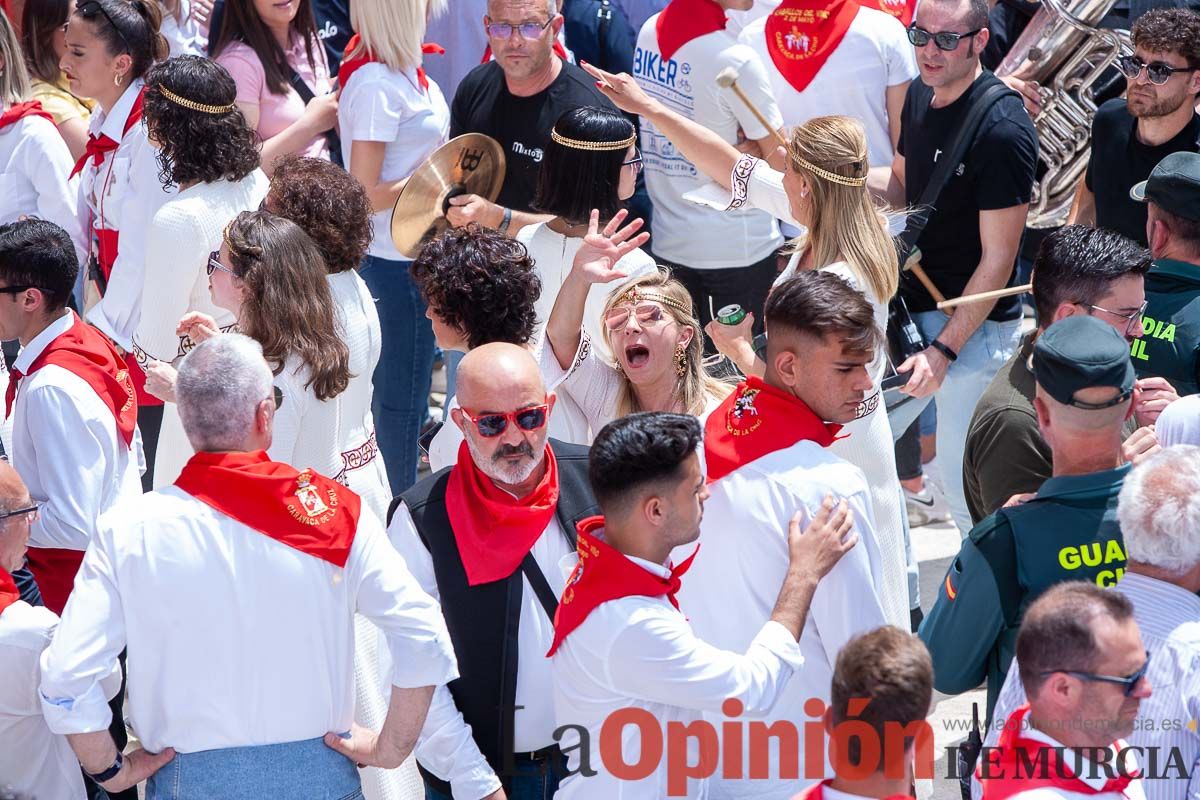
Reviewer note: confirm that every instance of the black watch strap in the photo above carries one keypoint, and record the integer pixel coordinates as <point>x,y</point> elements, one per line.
<point>945,350</point>
<point>110,773</point>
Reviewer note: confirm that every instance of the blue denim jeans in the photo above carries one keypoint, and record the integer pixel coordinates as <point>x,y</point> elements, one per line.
<point>401,400</point>
<point>305,770</point>
<point>532,780</point>
<point>979,360</point>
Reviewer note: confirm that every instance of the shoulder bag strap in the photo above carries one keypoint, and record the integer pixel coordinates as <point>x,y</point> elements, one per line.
<point>302,88</point>
<point>541,587</point>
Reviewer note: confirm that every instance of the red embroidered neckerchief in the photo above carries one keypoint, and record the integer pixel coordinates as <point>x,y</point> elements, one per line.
<point>755,420</point>
<point>19,111</point>
<point>494,530</point>
<point>802,34</point>
<point>602,574</point>
<point>351,64</point>
<point>9,593</point>
<point>684,20</point>
<point>100,146</point>
<point>1012,771</point>
<point>817,792</point>
<point>301,509</point>
<point>902,10</point>
<point>87,353</point>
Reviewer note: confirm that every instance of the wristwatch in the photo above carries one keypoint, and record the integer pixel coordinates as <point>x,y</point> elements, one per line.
<point>504,223</point>
<point>110,773</point>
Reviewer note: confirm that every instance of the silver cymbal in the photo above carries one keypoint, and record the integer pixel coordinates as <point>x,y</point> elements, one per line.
<point>469,164</point>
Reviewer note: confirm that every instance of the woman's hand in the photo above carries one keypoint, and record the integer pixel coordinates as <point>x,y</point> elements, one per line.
<point>601,250</point>
<point>622,90</point>
<point>320,114</point>
<point>198,327</point>
<point>160,380</point>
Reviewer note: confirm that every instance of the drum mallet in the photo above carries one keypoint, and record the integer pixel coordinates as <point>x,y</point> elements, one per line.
<point>995,294</point>
<point>727,79</point>
<point>913,265</point>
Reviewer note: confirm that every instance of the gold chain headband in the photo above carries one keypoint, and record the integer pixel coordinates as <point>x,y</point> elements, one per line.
<point>832,177</point>
<point>192,104</point>
<point>578,144</point>
<point>633,295</point>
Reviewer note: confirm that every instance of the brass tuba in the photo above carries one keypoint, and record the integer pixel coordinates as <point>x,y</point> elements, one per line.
<point>1064,51</point>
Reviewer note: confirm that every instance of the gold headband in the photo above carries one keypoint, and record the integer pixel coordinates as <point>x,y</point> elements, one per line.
<point>633,295</point>
<point>832,177</point>
<point>192,104</point>
<point>577,144</point>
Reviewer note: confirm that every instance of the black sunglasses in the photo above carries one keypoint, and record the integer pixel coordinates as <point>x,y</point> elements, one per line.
<point>214,264</point>
<point>492,425</point>
<point>19,289</point>
<point>33,509</point>
<point>919,37</point>
<point>635,162</point>
<point>1130,682</point>
<point>88,7</point>
<point>1157,71</point>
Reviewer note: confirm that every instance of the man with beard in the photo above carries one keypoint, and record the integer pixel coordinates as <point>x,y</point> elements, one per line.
<point>1158,117</point>
<point>485,536</point>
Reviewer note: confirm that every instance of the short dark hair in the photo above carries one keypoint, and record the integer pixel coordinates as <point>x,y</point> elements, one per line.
<point>819,303</point>
<point>1187,231</point>
<point>37,253</point>
<point>1056,633</point>
<point>977,13</point>
<point>40,20</point>
<point>1169,30</point>
<point>196,146</point>
<point>637,451</point>
<point>892,669</point>
<point>127,26</point>
<point>1078,264</point>
<point>572,181</point>
<point>328,203</point>
<point>482,282</point>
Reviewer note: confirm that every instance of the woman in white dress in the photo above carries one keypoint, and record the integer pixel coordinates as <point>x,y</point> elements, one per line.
<point>207,151</point>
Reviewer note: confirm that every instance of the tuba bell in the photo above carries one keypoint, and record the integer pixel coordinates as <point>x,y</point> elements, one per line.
<point>1068,56</point>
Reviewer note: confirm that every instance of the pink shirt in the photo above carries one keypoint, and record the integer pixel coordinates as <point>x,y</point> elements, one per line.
<point>277,111</point>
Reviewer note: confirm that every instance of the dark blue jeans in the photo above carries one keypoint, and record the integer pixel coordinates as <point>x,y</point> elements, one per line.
<point>401,401</point>
<point>532,780</point>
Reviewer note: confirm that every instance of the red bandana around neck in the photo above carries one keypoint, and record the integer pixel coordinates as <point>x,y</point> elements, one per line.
<point>755,420</point>
<point>350,65</point>
<point>802,34</point>
<point>817,792</point>
<point>1013,770</point>
<point>9,593</point>
<point>684,20</point>
<point>100,146</point>
<point>301,509</point>
<point>605,573</point>
<point>19,111</point>
<point>494,530</point>
<point>902,10</point>
<point>87,353</point>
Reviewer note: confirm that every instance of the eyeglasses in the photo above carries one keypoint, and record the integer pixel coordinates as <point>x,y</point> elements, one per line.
<point>492,425</point>
<point>1130,683</point>
<point>1157,71</point>
<point>919,37</point>
<point>276,397</point>
<point>32,511</point>
<point>635,162</point>
<point>1132,321</point>
<point>214,264</point>
<point>647,314</point>
<point>529,30</point>
<point>18,289</point>
<point>88,7</point>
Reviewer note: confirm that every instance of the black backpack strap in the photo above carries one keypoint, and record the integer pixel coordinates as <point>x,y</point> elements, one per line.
<point>302,88</point>
<point>541,587</point>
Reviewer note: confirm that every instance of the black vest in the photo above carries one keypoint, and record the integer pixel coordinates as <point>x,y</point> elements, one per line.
<point>483,619</point>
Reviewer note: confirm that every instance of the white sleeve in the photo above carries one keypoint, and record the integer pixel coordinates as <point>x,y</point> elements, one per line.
<point>369,110</point>
<point>289,417</point>
<point>590,382</point>
<point>19,689</point>
<point>49,163</point>
<point>659,659</point>
<point>899,56</point>
<point>753,80</point>
<point>174,242</point>
<point>753,184</point>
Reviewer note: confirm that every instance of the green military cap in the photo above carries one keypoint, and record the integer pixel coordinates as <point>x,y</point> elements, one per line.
<point>1081,352</point>
<point>1174,185</point>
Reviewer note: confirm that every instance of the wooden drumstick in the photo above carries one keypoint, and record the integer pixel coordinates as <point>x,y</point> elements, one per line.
<point>727,79</point>
<point>995,294</point>
<point>913,265</point>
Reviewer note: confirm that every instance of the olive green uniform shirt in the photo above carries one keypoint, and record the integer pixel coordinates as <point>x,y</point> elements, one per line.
<point>1171,341</point>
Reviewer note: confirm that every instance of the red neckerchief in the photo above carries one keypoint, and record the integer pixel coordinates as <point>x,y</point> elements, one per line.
<point>1012,770</point>
<point>802,35</point>
<point>605,573</point>
<point>684,20</point>
<point>304,510</point>
<point>19,111</point>
<point>100,146</point>
<point>817,792</point>
<point>9,593</point>
<point>350,65</point>
<point>494,530</point>
<point>557,47</point>
<point>902,10</point>
<point>87,353</point>
<point>755,420</point>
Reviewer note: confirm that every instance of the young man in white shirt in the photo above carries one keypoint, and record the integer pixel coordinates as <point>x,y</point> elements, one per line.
<point>235,590</point>
<point>765,449</point>
<point>622,642</point>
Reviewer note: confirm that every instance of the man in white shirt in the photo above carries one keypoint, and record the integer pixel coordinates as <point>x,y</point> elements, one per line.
<point>721,257</point>
<point>485,537</point>
<point>628,667</point>
<point>765,449</point>
<point>33,761</point>
<point>235,590</point>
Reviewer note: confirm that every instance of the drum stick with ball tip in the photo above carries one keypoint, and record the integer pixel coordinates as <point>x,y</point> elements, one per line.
<point>727,79</point>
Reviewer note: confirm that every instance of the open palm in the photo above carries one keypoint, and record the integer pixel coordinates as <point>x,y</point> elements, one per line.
<point>601,250</point>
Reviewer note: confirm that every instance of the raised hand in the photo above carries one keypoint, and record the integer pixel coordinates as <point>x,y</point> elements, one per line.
<point>602,249</point>
<point>197,326</point>
<point>622,90</point>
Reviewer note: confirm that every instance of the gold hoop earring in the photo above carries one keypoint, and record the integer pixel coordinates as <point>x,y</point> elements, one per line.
<point>681,361</point>
<point>117,79</point>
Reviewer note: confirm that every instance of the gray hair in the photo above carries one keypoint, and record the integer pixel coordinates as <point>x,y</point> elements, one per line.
<point>1159,510</point>
<point>551,7</point>
<point>220,384</point>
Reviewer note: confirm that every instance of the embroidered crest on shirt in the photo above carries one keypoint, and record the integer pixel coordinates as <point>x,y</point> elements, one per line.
<point>313,509</point>
<point>743,418</point>
<point>127,385</point>
<point>585,550</point>
<point>799,45</point>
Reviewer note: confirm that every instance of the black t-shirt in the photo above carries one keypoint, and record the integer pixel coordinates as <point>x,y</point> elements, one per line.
<point>997,172</point>
<point>1118,161</point>
<point>521,125</point>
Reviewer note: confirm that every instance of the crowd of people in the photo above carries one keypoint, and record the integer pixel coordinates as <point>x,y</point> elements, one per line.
<point>748,311</point>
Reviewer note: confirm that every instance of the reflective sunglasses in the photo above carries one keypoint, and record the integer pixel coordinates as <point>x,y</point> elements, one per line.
<point>32,511</point>
<point>492,425</point>
<point>919,37</point>
<point>647,314</point>
<point>214,264</point>
<point>1157,71</point>
<point>1130,682</point>
<point>528,30</point>
<point>635,162</point>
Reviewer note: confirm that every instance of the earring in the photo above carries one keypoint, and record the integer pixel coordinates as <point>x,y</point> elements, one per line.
<point>117,80</point>
<point>680,361</point>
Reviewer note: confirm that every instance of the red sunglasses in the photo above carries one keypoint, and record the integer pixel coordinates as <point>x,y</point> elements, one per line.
<point>492,425</point>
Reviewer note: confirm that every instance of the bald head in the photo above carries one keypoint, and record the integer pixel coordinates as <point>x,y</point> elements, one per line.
<point>494,371</point>
<point>14,531</point>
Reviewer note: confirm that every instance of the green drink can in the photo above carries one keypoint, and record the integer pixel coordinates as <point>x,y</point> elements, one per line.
<point>731,314</point>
